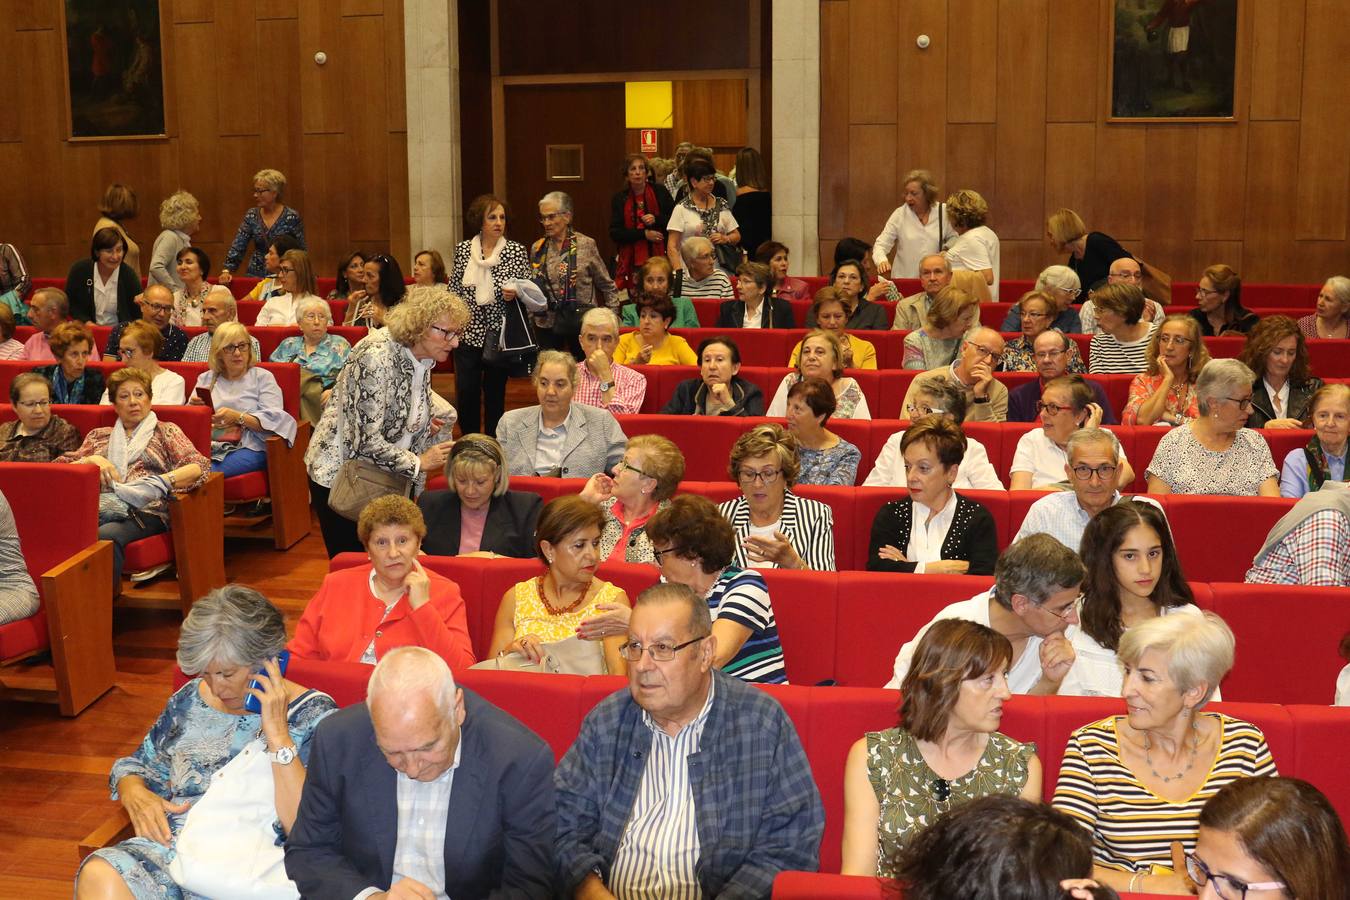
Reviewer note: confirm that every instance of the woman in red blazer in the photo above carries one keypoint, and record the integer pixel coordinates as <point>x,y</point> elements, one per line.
<point>362,613</point>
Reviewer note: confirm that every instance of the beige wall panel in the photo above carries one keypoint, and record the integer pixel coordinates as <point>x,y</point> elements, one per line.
<point>972,70</point>
<point>1277,59</point>
<point>834,130</point>
<point>1020,133</point>
<point>872,28</point>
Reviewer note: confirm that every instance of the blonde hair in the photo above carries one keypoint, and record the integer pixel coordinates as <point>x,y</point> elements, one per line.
<point>273,179</point>
<point>178,211</point>
<point>769,439</point>
<point>927,183</point>
<point>972,283</point>
<point>146,336</point>
<point>948,305</point>
<point>1197,650</point>
<point>966,209</point>
<point>839,346</point>
<point>566,360</point>
<point>227,333</point>
<point>423,305</point>
<point>1064,227</point>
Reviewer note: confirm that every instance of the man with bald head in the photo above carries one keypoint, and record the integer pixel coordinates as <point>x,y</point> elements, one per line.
<point>973,370</point>
<point>217,309</point>
<point>935,273</point>
<point>424,791</point>
<point>156,305</point>
<point>1125,270</point>
<point>1052,351</point>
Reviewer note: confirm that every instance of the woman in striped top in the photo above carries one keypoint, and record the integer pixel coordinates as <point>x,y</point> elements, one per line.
<point>1138,781</point>
<point>1122,345</point>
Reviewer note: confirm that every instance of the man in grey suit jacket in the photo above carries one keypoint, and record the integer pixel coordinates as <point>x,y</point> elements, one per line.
<point>558,437</point>
<point>425,790</point>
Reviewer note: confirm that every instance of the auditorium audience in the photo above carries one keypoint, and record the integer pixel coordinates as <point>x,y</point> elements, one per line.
<point>756,791</point>
<point>478,514</point>
<point>1033,600</point>
<point>935,273</point>
<point>1091,473</point>
<point>1109,778</point>
<point>266,221</point>
<point>361,613</point>
<point>976,247</point>
<point>945,752</point>
<point>829,313</point>
<point>1125,270</point>
<point>757,307</point>
<point>822,355</point>
<point>825,457</point>
<point>1133,575</point>
<point>936,395</point>
<point>1121,346</point>
<point>156,304</point>
<point>139,347</point>
<point>569,270</point>
<point>119,205</point>
<point>719,390</point>
<point>559,438</point>
<point>775,528</point>
<point>351,276</point>
<point>952,315</point>
<point>295,276</point>
<point>71,378</point>
<point>18,594</point>
<point>1164,393</point>
<point>642,483</point>
<point>783,286</point>
<point>1323,458</point>
<point>141,461</point>
<point>849,280</point>
<point>485,272</point>
<point>189,299</point>
<point>656,279</point>
<point>601,382</point>
<point>917,229</point>
<point>1332,318</point>
<point>701,214</point>
<point>547,609</point>
<point>1090,252</point>
<point>1284,387</point>
<point>700,278</point>
<point>1263,835</point>
<point>385,290</point>
<point>1041,456</point>
<point>36,434</point>
<point>1218,301</point>
<point>102,289</point>
<point>1215,454</point>
<point>1310,544</point>
<point>1062,285</point>
<point>1036,310</point>
<point>638,215</point>
<point>653,344</point>
<point>934,530</point>
<point>980,355</point>
<point>360,828</point>
<point>218,308</point>
<point>319,354</point>
<point>180,218</point>
<point>1053,353</point>
<point>228,645</point>
<point>380,415</point>
<point>246,404</point>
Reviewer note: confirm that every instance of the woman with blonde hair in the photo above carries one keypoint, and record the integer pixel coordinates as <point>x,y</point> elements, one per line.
<point>295,276</point>
<point>953,314</point>
<point>266,221</point>
<point>1164,393</point>
<point>179,217</point>
<point>1090,252</point>
<point>976,246</point>
<point>642,483</point>
<point>246,403</point>
<point>829,312</point>
<point>916,229</point>
<point>478,514</point>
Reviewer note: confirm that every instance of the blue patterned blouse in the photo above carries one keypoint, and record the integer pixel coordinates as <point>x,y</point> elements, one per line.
<point>252,230</point>
<point>837,465</point>
<point>326,360</point>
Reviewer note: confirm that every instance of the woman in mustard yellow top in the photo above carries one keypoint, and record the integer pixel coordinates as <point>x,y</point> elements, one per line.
<point>549,607</point>
<point>831,315</point>
<point>653,344</point>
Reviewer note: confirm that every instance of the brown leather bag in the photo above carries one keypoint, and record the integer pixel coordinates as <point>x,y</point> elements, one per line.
<point>358,482</point>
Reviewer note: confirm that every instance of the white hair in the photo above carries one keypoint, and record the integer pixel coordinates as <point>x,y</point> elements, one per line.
<point>564,201</point>
<point>601,317</point>
<point>1061,277</point>
<point>407,672</point>
<point>310,301</point>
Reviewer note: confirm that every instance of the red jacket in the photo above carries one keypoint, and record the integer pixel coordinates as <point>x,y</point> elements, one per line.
<point>344,615</point>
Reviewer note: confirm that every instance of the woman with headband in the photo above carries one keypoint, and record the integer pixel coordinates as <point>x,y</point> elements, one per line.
<point>477,515</point>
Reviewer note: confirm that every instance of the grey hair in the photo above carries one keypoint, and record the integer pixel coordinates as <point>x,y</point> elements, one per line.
<point>178,211</point>
<point>563,200</point>
<point>231,304</point>
<point>232,625</point>
<point>58,297</point>
<point>566,360</point>
<point>1198,650</point>
<point>1036,567</point>
<point>601,317</point>
<point>1061,277</point>
<point>696,245</point>
<point>423,306</point>
<point>949,395</point>
<point>406,672</point>
<point>1219,378</point>
<point>700,618</point>
<point>946,263</point>
<point>273,179</point>
<point>1086,436</point>
<point>1340,289</point>
<point>312,301</point>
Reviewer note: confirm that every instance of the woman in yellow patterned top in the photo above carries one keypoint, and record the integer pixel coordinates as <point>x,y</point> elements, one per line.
<point>946,752</point>
<point>549,607</point>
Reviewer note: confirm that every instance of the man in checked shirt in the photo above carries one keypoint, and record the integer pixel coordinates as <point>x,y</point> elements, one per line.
<point>1310,545</point>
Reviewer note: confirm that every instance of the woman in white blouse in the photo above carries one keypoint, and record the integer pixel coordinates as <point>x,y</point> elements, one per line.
<point>1042,453</point>
<point>935,395</point>
<point>1133,575</point>
<point>916,229</point>
<point>296,277</point>
<point>976,247</point>
<point>139,345</point>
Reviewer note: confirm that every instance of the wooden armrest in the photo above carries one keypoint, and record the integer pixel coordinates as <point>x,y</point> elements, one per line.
<point>288,483</point>
<point>197,524</point>
<point>112,830</point>
<point>77,594</point>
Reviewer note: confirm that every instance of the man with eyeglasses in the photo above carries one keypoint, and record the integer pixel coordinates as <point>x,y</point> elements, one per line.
<point>1125,270</point>
<point>935,273</point>
<point>156,308</point>
<point>1037,585</point>
<point>1091,473</point>
<point>688,783</point>
<point>49,308</point>
<point>981,353</point>
<point>1052,351</point>
<point>217,309</point>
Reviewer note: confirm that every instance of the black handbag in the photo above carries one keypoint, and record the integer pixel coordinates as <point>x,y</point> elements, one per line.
<point>567,318</point>
<point>514,348</point>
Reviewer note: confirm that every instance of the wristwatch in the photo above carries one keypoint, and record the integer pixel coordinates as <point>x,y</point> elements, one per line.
<point>606,386</point>
<point>981,399</point>
<point>283,756</point>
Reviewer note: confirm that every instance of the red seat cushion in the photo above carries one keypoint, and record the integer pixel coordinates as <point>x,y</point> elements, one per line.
<point>24,636</point>
<point>249,486</point>
<point>148,553</point>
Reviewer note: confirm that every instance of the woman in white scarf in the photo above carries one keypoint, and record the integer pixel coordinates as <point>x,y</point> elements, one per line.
<point>485,271</point>
<point>141,461</point>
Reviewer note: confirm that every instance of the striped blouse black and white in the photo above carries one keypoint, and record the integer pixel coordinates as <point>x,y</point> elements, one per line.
<point>1108,356</point>
<point>808,525</point>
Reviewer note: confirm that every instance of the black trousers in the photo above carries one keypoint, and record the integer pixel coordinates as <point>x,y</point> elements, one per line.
<point>475,379</point>
<point>339,533</point>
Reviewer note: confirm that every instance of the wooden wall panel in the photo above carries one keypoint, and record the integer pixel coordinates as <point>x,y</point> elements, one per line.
<point>922,140</point>
<point>872,183</point>
<point>711,111</point>
<point>1071,168</point>
<point>1074,63</point>
<point>972,69</point>
<point>323,86</point>
<point>1019,134</point>
<point>1170,155</point>
<point>1323,198</point>
<point>834,152</point>
<point>237,55</point>
<point>970,162</point>
<point>1277,59</point>
<point>193,11</point>
<point>872,27</point>
<point>366,92</point>
<point>1121,191</point>
<point>1220,173</point>
<point>11,127</point>
<point>269,10</point>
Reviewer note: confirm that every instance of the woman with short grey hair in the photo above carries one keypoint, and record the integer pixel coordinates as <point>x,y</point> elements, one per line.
<point>569,269</point>
<point>1332,318</point>
<point>266,221</point>
<point>320,355</point>
<point>229,645</point>
<point>1214,453</point>
<point>1062,285</point>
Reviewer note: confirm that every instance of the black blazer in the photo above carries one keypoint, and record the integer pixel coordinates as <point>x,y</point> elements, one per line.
<point>731,314</point>
<point>508,531</point>
<point>688,398</point>
<point>621,235</point>
<point>93,382</point>
<point>499,833</point>
<point>80,291</point>
<point>972,536</point>
<point>1300,402</point>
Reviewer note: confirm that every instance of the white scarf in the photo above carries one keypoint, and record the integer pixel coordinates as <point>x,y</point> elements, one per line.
<point>123,451</point>
<point>479,270</point>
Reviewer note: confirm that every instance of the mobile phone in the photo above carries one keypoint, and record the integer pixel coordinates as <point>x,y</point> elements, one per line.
<point>251,702</point>
<point>204,395</point>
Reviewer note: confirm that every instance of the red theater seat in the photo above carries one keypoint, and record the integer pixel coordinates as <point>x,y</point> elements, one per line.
<point>1217,537</point>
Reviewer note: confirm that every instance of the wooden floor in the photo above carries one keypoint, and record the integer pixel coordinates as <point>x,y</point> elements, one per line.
<point>54,771</point>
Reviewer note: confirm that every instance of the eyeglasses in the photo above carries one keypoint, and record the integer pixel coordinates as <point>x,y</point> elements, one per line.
<point>241,347</point>
<point>444,332</point>
<point>263,190</point>
<point>1226,886</point>
<point>1035,315</point>
<point>1053,409</point>
<point>1173,339</point>
<point>285,270</point>
<point>1242,402</point>
<point>625,464</point>
<point>768,476</point>
<point>1205,292</point>
<point>1048,355</point>
<point>1127,276</point>
<point>160,307</point>
<point>922,409</point>
<point>545,218</point>
<point>1105,472</point>
<point>995,356</point>
<point>313,317</point>
<point>1066,611</point>
<point>128,352</point>
<point>632,651</point>
<point>662,554</point>
<point>35,404</point>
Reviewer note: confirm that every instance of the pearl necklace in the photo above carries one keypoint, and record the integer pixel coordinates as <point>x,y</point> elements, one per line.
<point>1195,751</point>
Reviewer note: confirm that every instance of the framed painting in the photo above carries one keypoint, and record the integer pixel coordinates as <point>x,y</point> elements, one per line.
<point>114,63</point>
<point>1173,60</point>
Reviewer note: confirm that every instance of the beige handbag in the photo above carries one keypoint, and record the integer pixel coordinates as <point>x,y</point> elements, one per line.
<point>358,482</point>
<point>570,656</point>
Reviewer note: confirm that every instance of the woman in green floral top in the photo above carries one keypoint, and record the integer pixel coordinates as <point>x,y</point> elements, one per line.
<point>947,750</point>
